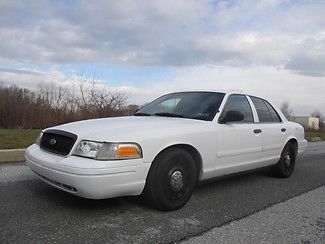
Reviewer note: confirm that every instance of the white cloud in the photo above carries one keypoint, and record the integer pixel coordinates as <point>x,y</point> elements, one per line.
<point>276,84</point>
<point>30,78</point>
<point>272,48</point>
<point>166,33</point>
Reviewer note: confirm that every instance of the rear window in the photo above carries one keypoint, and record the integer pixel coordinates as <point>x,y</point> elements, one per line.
<point>265,112</point>
<point>275,116</point>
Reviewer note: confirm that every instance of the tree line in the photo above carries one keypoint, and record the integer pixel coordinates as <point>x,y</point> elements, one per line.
<point>288,113</point>
<point>52,105</point>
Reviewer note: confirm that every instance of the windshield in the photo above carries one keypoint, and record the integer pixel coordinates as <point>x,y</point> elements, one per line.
<point>192,105</point>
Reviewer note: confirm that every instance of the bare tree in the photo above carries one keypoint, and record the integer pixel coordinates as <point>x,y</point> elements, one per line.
<point>286,110</point>
<point>131,109</point>
<point>96,99</point>
<point>52,105</point>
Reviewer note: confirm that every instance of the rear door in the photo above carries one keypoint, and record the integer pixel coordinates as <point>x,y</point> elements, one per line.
<point>239,144</point>
<point>273,130</point>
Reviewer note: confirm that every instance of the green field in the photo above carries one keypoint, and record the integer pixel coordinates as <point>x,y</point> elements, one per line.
<point>17,138</point>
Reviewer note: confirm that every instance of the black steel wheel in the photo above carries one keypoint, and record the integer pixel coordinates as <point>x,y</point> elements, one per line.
<point>285,166</point>
<point>171,179</point>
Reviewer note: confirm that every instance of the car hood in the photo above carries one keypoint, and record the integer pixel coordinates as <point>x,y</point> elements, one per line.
<point>131,128</point>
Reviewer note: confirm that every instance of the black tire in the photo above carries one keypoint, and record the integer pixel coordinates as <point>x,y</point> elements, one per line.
<point>171,180</point>
<point>284,168</point>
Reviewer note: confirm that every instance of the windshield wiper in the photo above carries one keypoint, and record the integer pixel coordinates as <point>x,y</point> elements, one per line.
<point>141,114</point>
<point>165,114</point>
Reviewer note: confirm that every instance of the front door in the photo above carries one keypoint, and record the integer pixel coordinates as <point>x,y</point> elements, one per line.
<point>239,144</point>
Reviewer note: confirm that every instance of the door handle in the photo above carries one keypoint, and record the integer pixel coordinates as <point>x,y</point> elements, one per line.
<point>283,129</point>
<point>257,131</point>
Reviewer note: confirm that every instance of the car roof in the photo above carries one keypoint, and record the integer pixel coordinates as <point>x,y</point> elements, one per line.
<point>228,92</point>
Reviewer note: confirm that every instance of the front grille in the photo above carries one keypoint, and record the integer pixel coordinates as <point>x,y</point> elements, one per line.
<point>58,141</point>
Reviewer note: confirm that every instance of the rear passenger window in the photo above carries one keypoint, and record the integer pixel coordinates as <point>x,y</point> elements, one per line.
<point>239,103</point>
<point>265,111</point>
<point>274,114</point>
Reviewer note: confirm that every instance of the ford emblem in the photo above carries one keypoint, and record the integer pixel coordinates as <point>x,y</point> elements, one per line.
<point>52,142</point>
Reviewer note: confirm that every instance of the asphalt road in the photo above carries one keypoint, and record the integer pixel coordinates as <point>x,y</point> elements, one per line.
<point>298,220</point>
<point>32,211</point>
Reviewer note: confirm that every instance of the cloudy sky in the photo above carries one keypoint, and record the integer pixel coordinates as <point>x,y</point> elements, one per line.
<point>271,48</point>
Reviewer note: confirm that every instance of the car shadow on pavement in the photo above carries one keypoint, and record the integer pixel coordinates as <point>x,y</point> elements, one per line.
<point>236,177</point>
<point>58,197</point>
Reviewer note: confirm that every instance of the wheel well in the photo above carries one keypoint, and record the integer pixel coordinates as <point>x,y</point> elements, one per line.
<point>294,143</point>
<point>192,151</point>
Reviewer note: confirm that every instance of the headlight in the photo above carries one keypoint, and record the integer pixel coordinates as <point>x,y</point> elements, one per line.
<point>108,151</point>
<point>38,140</point>
<point>88,149</point>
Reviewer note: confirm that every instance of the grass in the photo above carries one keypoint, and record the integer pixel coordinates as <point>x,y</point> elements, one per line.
<point>17,138</point>
<point>310,134</point>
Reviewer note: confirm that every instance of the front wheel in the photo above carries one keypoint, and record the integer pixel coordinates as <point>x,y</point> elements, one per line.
<point>286,164</point>
<point>171,180</point>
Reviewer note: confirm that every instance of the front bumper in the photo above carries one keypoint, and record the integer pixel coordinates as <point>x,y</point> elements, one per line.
<point>88,178</point>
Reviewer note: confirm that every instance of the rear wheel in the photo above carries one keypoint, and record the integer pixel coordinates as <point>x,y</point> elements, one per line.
<point>286,164</point>
<point>171,180</point>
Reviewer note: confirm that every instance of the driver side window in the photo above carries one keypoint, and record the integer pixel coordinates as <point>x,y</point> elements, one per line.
<point>241,104</point>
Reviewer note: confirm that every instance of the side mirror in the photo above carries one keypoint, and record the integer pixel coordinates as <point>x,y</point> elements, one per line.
<point>232,116</point>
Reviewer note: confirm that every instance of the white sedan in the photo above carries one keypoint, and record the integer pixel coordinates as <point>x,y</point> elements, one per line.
<point>167,147</point>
